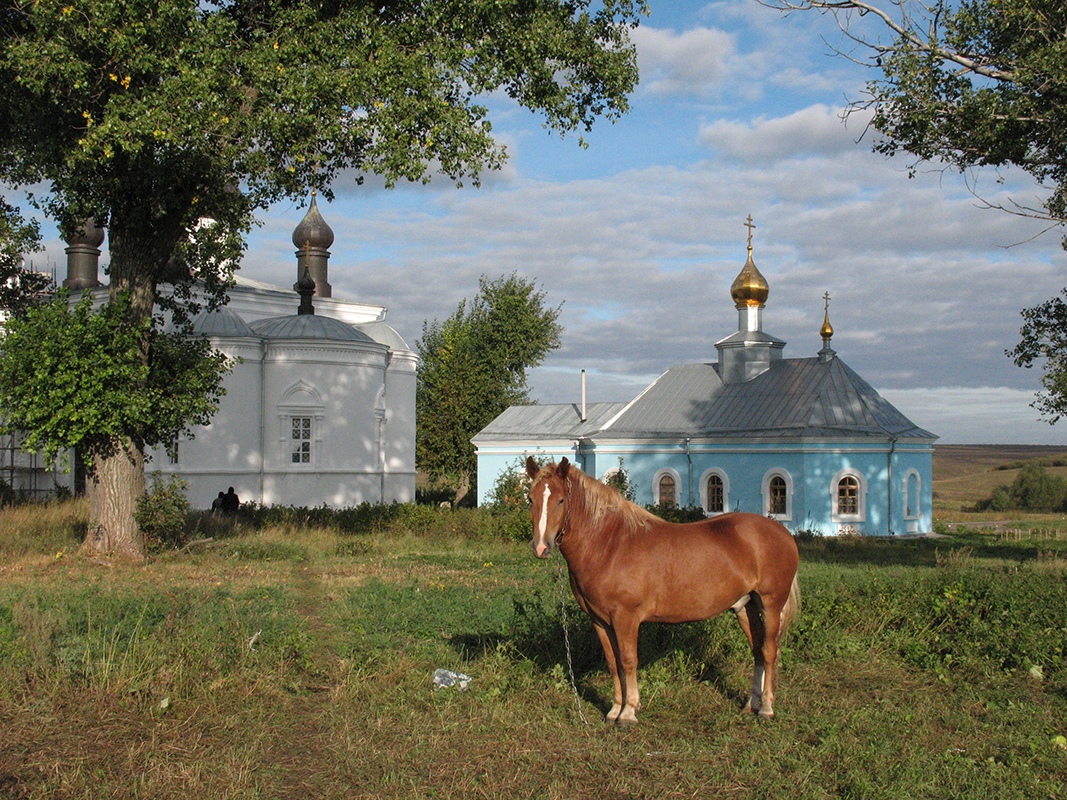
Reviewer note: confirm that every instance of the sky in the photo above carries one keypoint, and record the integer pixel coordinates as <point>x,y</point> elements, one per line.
<point>639,235</point>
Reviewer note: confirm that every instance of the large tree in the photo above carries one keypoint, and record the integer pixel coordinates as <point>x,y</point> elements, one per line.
<point>148,115</point>
<point>473,367</point>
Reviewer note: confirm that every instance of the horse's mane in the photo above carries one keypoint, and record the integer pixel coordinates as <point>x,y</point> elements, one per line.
<point>601,502</point>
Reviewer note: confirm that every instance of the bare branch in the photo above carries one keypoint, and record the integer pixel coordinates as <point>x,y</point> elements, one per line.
<point>906,30</point>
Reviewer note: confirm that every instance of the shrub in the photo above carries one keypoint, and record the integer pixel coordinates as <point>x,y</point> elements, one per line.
<point>1033,489</point>
<point>620,480</point>
<point>162,513</point>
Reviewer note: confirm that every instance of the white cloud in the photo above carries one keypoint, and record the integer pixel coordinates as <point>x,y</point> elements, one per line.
<point>693,62</point>
<point>817,129</point>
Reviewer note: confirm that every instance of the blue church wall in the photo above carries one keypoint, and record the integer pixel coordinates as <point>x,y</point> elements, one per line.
<point>811,471</point>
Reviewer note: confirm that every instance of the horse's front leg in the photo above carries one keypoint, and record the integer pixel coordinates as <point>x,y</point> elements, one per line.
<point>608,642</point>
<point>625,628</point>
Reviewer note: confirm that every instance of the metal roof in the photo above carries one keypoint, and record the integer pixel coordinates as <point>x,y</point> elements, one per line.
<point>794,398</point>
<point>563,421</point>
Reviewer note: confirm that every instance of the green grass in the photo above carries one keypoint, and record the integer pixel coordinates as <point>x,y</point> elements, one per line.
<point>296,662</point>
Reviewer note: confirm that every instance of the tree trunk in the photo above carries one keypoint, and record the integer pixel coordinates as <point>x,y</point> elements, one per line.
<point>462,489</point>
<point>116,486</point>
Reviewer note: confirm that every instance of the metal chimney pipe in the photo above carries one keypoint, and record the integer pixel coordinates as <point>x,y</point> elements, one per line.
<point>583,395</point>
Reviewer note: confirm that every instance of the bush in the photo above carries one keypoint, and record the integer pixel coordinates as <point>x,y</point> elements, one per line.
<point>163,512</point>
<point>1033,489</point>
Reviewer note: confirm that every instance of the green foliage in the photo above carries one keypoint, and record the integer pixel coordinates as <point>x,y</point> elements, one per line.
<point>677,513</point>
<point>19,288</point>
<point>619,480</point>
<point>74,377</point>
<point>163,512</point>
<point>511,491</point>
<point>1044,341</point>
<point>1034,489</point>
<point>473,366</point>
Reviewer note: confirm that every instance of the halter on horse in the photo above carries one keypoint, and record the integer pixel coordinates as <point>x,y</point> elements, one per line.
<point>628,566</point>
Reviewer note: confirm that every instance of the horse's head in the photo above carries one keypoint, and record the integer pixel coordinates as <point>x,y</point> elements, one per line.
<point>549,501</point>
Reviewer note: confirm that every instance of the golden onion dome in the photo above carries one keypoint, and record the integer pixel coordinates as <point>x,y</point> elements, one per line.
<point>827,330</point>
<point>749,287</point>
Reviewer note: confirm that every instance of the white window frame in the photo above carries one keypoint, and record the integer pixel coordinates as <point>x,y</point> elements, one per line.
<point>766,489</point>
<point>861,499</point>
<point>300,401</point>
<point>910,512</point>
<point>704,491</point>
<point>677,486</point>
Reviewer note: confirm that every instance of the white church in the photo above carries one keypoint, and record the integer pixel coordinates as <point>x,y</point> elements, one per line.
<point>319,408</point>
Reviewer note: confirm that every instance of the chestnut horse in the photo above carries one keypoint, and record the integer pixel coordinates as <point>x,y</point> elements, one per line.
<point>628,566</point>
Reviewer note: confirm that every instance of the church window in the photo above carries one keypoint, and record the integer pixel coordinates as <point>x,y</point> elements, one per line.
<point>715,495</point>
<point>911,496</point>
<point>301,448</point>
<point>848,496</point>
<point>667,491</point>
<point>779,496</point>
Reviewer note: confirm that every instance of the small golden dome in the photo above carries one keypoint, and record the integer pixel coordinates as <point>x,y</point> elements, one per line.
<point>749,287</point>
<point>827,330</point>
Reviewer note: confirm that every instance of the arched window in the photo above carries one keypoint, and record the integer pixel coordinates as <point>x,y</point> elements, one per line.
<point>715,495</point>
<point>912,504</point>
<point>848,496</point>
<point>667,490</point>
<point>848,491</point>
<point>300,416</point>
<point>778,495</point>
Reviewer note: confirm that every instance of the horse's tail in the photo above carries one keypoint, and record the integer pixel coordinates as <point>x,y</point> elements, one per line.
<point>791,609</point>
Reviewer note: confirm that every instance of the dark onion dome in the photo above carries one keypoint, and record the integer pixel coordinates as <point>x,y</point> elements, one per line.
<point>313,231</point>
<point>89,234</point>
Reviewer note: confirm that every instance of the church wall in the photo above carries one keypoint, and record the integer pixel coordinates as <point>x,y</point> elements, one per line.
<point>399,428</point>
<point>810,467</point>
<point>227,451</point>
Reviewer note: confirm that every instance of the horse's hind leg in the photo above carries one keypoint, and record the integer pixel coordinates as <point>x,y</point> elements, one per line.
<point>772,616</point>
<point>751,618</point>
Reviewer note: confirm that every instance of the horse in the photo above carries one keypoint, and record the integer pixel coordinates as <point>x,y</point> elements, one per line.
<point>628,566</point>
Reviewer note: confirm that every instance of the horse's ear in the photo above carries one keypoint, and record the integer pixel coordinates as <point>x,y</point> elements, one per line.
<point>531,467</point>
<point>563,468</point>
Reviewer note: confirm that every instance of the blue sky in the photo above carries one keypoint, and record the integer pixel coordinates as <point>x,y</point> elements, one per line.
<point>640,234</point>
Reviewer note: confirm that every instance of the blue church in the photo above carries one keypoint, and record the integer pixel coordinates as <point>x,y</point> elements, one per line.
<point>806,441</point>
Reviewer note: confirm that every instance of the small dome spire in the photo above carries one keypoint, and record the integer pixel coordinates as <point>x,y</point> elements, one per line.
<point>749,288</point>
<point>313,230</point>
<point>827,330</point>
<point>305,287</point>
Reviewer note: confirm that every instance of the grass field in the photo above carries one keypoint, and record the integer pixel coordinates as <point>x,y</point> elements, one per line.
<point>965,474</point>
<point>297,662</point>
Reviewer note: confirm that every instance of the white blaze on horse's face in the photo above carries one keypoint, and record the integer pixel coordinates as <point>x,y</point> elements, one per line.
<point>543,508</point>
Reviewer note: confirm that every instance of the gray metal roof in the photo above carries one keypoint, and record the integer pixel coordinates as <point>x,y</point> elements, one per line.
<point>308,326</point>
<point>794,398</point>
<point>221,322</point>
<point>563,421</point>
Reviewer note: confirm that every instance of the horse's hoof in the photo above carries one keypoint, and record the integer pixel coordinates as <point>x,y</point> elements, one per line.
<point>624,722</point>
<point>766,713</point>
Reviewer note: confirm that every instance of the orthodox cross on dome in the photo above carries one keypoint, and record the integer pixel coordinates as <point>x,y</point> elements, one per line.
<point>751,226</point>
<point>826,331</point>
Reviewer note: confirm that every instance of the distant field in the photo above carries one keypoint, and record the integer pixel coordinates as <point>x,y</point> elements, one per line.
<point>966,473</point>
